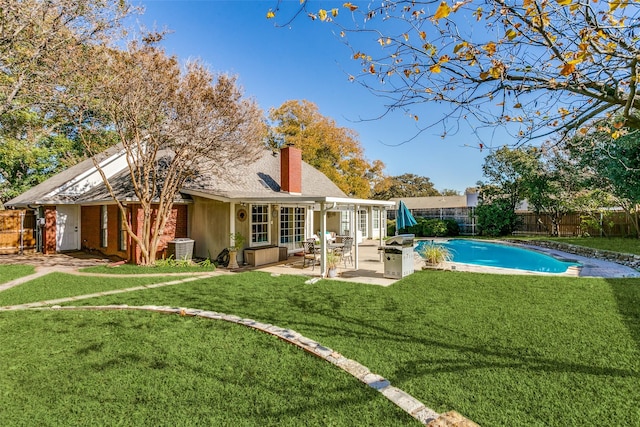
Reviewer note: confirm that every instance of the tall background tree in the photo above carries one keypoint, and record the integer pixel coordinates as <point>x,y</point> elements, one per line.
<point>333,150</point>
<point>44,46</point>
<point>172,124</point>
<point>534,66</point>
<point>613,165</point>
<point>405,185</point>
<point>507,172</point>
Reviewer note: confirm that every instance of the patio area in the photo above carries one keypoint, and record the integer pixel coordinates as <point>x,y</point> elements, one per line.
<point>370,267</point>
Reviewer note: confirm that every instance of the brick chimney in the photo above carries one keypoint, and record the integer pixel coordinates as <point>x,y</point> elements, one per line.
<point>291,170</point>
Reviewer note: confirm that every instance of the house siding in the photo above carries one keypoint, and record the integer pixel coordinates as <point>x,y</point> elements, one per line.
<point>176,227</point>
<point>91,232</point>
<point>209,221</point>
<point>49,231</point>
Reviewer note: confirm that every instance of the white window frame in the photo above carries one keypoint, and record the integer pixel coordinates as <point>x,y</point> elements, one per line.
<point>363,222</point>
<point>122,231</point>
<point>345,222</point>
<point>292,226</point>
<point>260,217</point>
<point>104,226</point>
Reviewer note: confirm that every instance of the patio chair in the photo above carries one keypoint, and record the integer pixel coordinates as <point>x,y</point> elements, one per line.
<point>346,251</point>
<point>310,253</point>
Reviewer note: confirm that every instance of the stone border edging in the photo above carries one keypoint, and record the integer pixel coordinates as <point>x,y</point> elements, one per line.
<point>405,401</point>
<point>629,260</point>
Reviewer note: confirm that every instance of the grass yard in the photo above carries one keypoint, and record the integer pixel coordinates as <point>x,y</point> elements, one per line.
<point>503,350</point>
<point>60,285</point>
<point>146,369</point>
<point>136,269</point>
<point>11,272</point>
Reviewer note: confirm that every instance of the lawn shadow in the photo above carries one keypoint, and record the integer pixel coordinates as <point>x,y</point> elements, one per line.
<point>627,296</point>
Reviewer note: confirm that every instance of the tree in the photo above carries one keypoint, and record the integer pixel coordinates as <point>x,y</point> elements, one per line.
<point>172,126</point>
<point>508,171</point>
<point>333,150</point>
<point>40,42</point>
<point>532,66</point>
<point>28,156</point>
<point>554,186</point>
<point>496,218</point>
<point>614,167</point>
<point>406,185</point>
<point>449,192</point>
<point>44,48</point>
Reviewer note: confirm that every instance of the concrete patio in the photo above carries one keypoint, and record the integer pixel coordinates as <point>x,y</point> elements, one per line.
<point>370,267</point>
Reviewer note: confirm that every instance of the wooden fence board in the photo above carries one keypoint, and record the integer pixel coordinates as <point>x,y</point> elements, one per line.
<point>615,224</point>
<point>15,224</point>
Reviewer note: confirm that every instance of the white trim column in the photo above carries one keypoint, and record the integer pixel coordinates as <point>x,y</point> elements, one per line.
<point>356,252</point>
<point>323,239</point>
<point>380,233</point>
<point>232,222</point>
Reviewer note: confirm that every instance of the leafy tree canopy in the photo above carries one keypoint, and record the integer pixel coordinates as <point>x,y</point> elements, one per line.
<point>171,123</point>
<point>45,47</point>
<point>406,185</point>
<point>333,150</point>
<point>613,166</point>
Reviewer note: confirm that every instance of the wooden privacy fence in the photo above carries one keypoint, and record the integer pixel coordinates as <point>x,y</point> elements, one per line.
<point>17,231</point>
<point>614,224</point>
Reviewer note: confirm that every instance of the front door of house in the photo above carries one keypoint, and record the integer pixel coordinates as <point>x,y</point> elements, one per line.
<point>67,228</point>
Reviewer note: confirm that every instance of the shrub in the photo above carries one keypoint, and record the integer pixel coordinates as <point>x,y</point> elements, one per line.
<point>435,254</point>
<point>496,218</point>
<point>453,229</point>
<point>426,227</point>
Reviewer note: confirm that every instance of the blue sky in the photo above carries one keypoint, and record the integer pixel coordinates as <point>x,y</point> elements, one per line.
<point>307,61</point>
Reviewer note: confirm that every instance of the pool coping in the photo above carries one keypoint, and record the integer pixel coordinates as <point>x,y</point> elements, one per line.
<point>589,267</point>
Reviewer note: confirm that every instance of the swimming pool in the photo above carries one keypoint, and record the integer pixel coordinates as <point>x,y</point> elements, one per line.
<point>498,255</point>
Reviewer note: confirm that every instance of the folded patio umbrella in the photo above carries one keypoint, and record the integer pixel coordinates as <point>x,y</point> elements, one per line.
<point>404,218</point>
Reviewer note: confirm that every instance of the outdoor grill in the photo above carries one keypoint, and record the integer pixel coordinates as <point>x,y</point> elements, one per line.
<point>398,256</point>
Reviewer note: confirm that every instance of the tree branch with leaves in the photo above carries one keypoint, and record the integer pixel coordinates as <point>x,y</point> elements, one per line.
<point>533,67</point>
<point>172,124</point>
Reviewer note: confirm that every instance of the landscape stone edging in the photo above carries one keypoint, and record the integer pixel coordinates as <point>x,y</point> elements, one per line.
<point>629,260</point>
<point>405,401</point>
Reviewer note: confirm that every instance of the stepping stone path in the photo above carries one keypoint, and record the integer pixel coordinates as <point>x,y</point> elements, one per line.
<point>408,403</point>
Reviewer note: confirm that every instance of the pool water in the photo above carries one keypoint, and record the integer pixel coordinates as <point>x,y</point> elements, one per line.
<point>497,255</point>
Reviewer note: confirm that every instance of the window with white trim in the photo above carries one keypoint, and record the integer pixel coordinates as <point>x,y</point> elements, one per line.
<point>292,221</point>
<point>376,218</point>
<point>345,222</point>
<point>122,235</point>
<point>259,225</point>
<point>103,226</point>
<point>362,222</point>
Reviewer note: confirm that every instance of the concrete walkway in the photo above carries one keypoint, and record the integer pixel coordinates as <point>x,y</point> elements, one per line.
<point>591,267</point>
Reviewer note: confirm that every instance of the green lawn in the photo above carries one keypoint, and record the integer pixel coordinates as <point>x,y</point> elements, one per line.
<point>503,350</point>
<point>136,269</point>
<point>144,369</point>
<point>60,285</point>
<point>11,272</point>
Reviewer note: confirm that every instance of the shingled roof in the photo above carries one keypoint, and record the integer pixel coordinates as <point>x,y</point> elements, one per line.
<point>259,180</point>
<point>51,191</point>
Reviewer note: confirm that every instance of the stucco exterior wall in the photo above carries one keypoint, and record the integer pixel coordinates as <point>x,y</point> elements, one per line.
<point>210,227</point>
